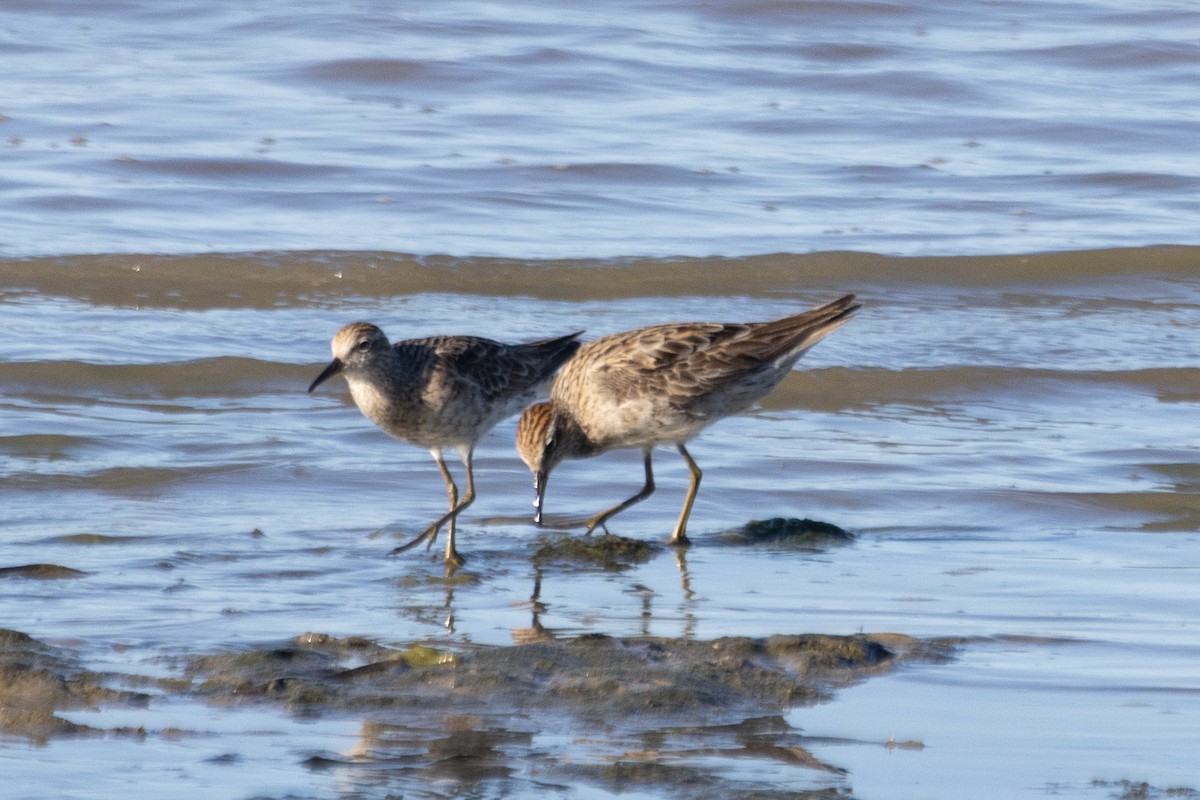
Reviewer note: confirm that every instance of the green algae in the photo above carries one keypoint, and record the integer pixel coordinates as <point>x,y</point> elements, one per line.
<point>607,551</point>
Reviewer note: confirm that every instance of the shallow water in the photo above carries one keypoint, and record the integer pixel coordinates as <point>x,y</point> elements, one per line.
<point>1008,427</point>
<point>1010,445</point>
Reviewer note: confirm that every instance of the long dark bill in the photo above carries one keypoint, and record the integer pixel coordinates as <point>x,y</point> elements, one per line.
<point>539,495</point>
<point>334,368</point>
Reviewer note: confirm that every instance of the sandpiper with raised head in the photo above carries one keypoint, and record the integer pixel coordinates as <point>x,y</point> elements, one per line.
<point>441,392</point>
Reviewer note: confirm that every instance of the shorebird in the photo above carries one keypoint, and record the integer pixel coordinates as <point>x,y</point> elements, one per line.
<point>663,384</point>
<point>441,392</point>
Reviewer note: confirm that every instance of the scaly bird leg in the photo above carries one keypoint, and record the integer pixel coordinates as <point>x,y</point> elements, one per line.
<point>456,507</point>
<point>647,490</point>
<point>680,535</point>
<point>453,559</point>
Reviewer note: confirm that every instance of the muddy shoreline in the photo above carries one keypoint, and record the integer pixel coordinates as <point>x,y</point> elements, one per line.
<point>650,710</point>
<point>467,714</point>
<point>655,716</point>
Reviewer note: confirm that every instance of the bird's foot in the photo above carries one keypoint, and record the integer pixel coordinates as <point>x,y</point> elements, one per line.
<point>429,534</point>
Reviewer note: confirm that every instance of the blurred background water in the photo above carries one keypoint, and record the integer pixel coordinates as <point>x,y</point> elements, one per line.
<point>645,128</point>
<point>193,199</point>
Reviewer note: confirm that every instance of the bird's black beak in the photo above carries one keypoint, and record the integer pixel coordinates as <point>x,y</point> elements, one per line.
<point>334,368</point>
<point>539,495</point>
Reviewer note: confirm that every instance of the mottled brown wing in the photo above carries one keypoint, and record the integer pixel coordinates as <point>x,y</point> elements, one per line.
<point>667,359</point>
<point>501,370</point>
<point>686,361</point>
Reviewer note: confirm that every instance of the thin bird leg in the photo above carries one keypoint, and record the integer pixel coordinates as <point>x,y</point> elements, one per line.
<point>680,535</point>
<point>453,559</point>
<point>450,516</point>
<point>647,490</point>
<point>451,495</point>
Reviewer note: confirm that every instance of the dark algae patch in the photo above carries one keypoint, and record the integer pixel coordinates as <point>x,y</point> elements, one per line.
<point>799,534</point>
<point>606,551</point>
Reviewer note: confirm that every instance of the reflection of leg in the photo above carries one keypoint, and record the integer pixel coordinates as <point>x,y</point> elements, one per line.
<point>688,609</point>
<point>536,632</point>
<point>646,491</point>
<point>535,601</point>
<point>449,604</point>
<point>647,608</point>
<point>685,577</point>
<point>680,534</point>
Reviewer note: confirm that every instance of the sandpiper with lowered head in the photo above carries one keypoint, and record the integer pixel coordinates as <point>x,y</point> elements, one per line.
<point>663,384</point>
<point>440,392</point>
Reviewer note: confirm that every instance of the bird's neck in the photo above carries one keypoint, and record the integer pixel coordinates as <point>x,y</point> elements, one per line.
<point>571,439</point>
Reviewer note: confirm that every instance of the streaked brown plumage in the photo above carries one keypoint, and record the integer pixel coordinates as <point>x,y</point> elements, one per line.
<point>443,391</point>
<point>662,385</point>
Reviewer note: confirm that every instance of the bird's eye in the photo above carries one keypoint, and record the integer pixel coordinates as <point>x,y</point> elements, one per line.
<point>363,346</point>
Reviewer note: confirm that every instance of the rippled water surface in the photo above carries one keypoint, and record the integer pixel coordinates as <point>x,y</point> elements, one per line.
<point>1012,445</point>
<point>193,199</point>
<point>643,128</point>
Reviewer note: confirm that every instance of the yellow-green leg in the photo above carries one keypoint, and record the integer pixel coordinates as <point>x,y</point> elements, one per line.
<point>680,535</point>
<point>646,491</point>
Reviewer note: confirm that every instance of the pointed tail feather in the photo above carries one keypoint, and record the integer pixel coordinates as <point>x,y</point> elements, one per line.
<point>796,334</point>
<point>552,353</point>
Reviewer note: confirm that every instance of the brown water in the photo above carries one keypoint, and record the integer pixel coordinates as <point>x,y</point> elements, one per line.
<point>192,200</point>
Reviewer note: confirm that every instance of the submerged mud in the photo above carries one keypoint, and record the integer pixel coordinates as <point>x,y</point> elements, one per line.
<point>608,551</point>
<point>41,572</point>
<point>592,676</point>
<point>38,682</point>
<point>648,713</point>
